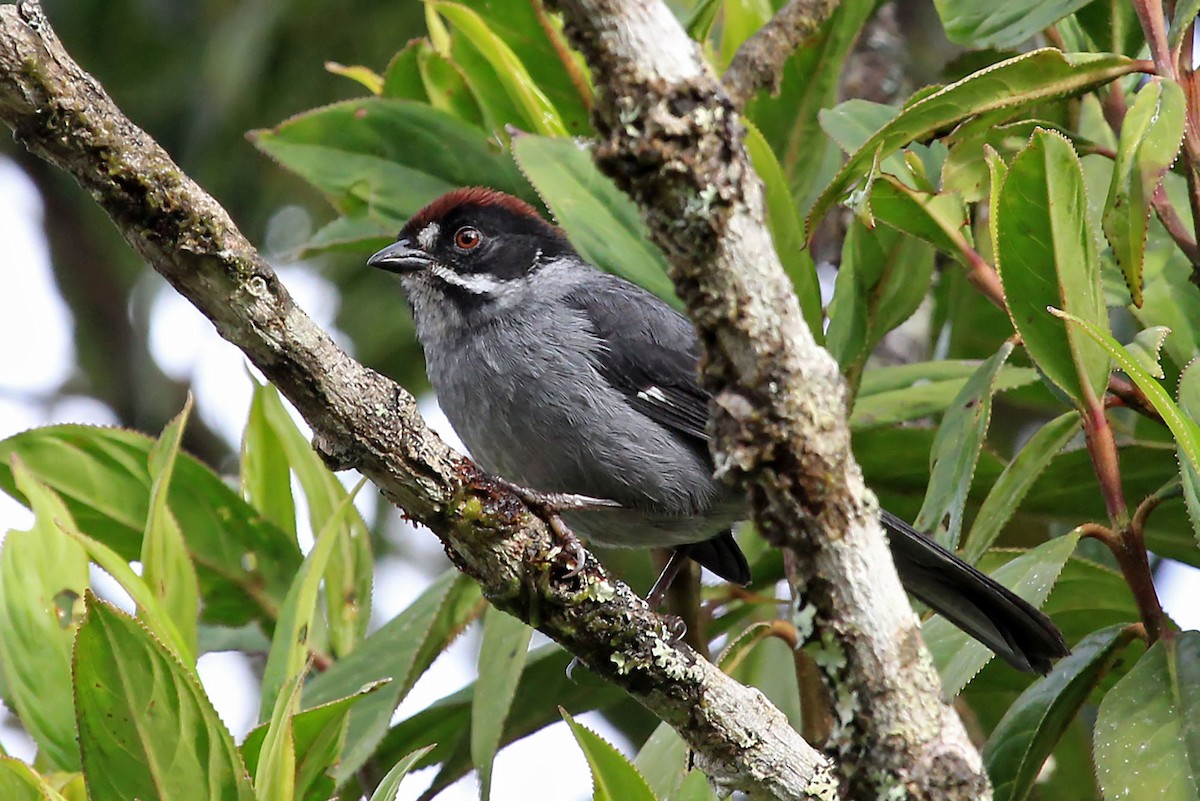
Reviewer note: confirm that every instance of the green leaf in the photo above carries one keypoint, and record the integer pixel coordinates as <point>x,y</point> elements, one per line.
<point>19,782</point>
<point>1147,739</point>
<point>1018,477</point>
<point>809,82</point>
<point>1031,576</point>
<point>1001,91</point>
<point>1189,404</point>
<point>402,78</point>
<point>899,393</point>
<point>151,612</point>
<point>787,231</point>
<point>400,652</point>
<point>501,662</point>
<point>1184,428</point>
<point>348,571</point>
<point>614,778</point>
<point>1150,137</point>
<point>146,728</point>
<point>43,575</point>
<point>1185,14</point>
<point>979,24</point>
<point>265,477</point>
<point>166,567</point>
<point>942,220</point>
<point>290,646</point>
<point>389,788</point>
<point>447,722</point>
<point>318,734</point>
<point>1146,349</point>
<point>275,773</point>
<point>956,451</point>
<point>739,20</point>
<point>363,76</point>
<point>387,158</point>
<point>244,564</point>
<point>1046,256</point>
<point>663,762</point>
<point>447,87</point>
<point>1024,738</point>
<point>539,113</point>
<point>601,221</point>
<point>883,278</point>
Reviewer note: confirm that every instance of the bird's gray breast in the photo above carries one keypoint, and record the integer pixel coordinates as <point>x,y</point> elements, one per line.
<point>528,402</point>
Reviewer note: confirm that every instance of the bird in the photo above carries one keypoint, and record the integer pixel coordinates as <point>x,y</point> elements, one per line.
<point>578,385</point>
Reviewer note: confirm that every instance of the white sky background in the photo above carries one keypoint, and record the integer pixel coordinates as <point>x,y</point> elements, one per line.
<point>35,332</point>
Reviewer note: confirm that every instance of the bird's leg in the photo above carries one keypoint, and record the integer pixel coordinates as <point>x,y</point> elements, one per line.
<point>658,592</point>
<point>551,505</point>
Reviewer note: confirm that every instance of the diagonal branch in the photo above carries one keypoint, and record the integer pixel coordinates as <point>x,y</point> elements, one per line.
<point>670,137</point>
<point>759,61</point>
<point>361,419</point>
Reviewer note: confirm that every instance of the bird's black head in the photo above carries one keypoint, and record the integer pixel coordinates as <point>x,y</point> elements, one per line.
<point>472,245</point>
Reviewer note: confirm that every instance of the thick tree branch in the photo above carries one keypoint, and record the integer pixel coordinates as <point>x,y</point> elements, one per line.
<point>364,420</point>
<point>759,61</point>
<point>670,137</point>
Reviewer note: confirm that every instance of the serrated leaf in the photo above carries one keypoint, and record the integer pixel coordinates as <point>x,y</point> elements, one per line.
<point>883,278</point>
<point>899,393</point>
<point>402,78</point>
<point>1147,738</point>
<point>43,575</point>
<point>809,82</point>
<point>1046,256</point>
<point>400,651</point>
<point>387,157</point>
<point>977,24</point>
<point>1185,429</point>
<point>318,734</point>
<point>941,220</point>
<point>1028,732</point>
<point>1146,349</point>
<point>1151,134</point>
<point>447,722</point>
<point>146,728</point>
<point>20,782</point>
<point>956,451</point>
<point>1031,576</point>
<point>614,778</point>
<point>364,76</point>
<point>275,773</point>
<point>389,788</point>
<point>290,646</point>
<point>601,221</point>
<point>787,231</point>
<point>501,662</point>
<point>1000,91</point>
<point>1189,404</point>
<point>264,474</point>
<point>166,567</point>
<point>540,115</point>
<point>446,86</point>
<point>244,564</point>
<point>149,610</point>
<point>348,570</point>
<point>663,762</point>
<point>1018,477</point>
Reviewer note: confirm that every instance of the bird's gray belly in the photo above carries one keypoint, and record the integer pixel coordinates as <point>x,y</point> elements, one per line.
<point>562,437</point>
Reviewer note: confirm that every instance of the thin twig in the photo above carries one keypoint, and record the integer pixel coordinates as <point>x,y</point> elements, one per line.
<point>759,61</point>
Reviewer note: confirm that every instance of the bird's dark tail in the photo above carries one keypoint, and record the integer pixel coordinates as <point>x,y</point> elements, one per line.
<point>979,605</point>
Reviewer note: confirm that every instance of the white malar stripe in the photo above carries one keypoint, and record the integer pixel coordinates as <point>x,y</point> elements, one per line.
<point>652,394</point>
<point>427,237</point>
<point>475,283</point>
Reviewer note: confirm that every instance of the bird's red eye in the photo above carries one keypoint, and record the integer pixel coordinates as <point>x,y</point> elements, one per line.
<point>467,238</point>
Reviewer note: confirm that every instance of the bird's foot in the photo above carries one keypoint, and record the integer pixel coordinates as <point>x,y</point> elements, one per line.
<point>551,505</point>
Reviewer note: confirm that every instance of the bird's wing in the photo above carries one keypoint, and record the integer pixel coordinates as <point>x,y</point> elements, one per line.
<point>648,352</point>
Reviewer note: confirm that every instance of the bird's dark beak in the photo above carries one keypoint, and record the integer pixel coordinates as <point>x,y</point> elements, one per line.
<point>400,257</point>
